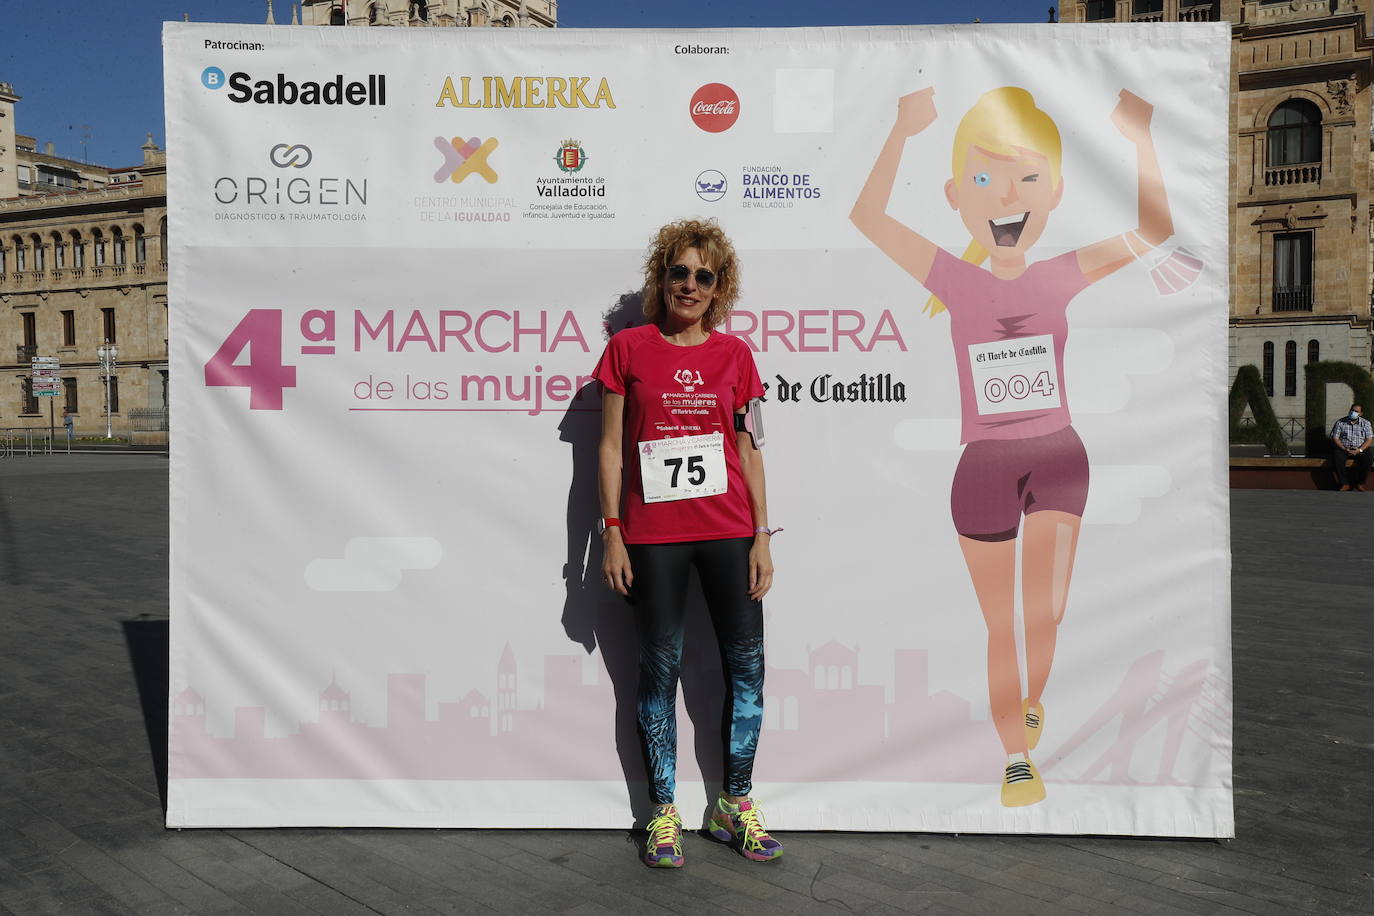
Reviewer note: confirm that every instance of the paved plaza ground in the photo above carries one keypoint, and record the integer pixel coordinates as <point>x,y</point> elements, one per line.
<point>83,608</point>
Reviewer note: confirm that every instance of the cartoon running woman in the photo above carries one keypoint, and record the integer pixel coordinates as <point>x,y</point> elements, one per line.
<point>1008,324</point>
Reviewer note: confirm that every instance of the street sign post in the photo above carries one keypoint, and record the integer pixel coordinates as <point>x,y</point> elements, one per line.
<point>46,383</point>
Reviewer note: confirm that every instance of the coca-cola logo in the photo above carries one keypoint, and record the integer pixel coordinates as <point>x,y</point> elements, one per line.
<point>715,107</point>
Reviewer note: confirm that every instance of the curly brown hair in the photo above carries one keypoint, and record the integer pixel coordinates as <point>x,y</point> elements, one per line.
<point>717,253</point>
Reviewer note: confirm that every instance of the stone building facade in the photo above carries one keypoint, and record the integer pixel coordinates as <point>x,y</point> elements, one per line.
<point>538,14</point>
<point>82,263</point>
<point>1300,181</point>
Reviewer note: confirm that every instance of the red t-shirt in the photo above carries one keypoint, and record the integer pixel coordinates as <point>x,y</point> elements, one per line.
<point>673,391</point>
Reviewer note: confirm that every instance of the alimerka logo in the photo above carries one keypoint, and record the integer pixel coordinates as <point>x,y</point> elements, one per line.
<point>524,92</point>
<point>715,108</point>
<point>464,157</point>
<point>279,90</point>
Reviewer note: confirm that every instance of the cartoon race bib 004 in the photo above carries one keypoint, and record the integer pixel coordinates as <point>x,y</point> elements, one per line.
<point>682,467</point>
<point>1015,375</point>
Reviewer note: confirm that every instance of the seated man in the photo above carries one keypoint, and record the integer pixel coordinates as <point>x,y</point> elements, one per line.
<point>1352,436</point>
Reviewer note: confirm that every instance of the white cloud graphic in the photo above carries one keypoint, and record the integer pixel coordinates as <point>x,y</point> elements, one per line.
<point>927,434</point>
<point>1099,361</point>
<point>1117,491</point>
<point>373,564</point>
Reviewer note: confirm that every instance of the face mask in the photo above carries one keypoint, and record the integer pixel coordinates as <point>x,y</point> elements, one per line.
<point>1352,416</point>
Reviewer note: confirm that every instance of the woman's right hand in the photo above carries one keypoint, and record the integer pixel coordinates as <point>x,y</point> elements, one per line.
<point>615,564</point>
<point>915,112</point>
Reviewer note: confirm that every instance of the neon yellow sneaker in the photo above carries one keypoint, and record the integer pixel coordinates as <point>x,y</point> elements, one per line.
<point>663,848</point>
<point>739,825</point>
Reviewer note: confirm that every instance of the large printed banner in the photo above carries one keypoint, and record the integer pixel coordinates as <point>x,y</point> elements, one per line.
<point>984,278</point>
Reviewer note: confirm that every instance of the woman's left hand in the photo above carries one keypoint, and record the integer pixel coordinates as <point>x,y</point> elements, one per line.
<point>1132,116</point>
<point>760,567</point>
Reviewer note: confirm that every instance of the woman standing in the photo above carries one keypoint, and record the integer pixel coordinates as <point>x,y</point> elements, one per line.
<point>1008,324</point>
<point>682,487</point>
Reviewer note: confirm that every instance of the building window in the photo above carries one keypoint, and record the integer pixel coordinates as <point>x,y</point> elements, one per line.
<point>2,263</point>
<point>1147,6</point>
<point>59,252</point>
<point>20,258</point>
<point>108,324</point>
<point>1101,9</point>
<point>336,17</point>
<point>1295,133</point>
<point>78,251</point>
<point>29,322</point>
<point>114,394</point>
<point>118,237</point>
<point>1290,369</point>
<point>68,328</point>
<point>30,401</point>
<point>140,246</point>
<point>99,249</point>
<point>37,254</point>
<point>1293,272</point>
<point>1268,370</point>
<point>69,394</point>
<point>162,241</point>
<point>1314,352</point>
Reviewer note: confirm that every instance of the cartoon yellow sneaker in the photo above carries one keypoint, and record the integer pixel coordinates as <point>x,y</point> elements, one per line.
<point>1035,722</point>
<point>1021,784</point>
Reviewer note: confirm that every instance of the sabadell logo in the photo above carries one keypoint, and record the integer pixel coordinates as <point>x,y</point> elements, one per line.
<point>715,108</point>
<point>279,90</point>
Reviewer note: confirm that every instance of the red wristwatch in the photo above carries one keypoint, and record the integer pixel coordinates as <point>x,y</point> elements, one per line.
<point>603,523</point>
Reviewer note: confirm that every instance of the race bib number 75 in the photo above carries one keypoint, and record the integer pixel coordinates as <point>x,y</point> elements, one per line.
<point>683,467</point>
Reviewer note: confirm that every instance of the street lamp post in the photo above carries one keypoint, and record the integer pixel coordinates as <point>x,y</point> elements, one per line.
<point>107,354</point>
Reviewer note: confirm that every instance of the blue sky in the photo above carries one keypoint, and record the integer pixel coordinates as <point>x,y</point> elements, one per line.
<point>97,74</point>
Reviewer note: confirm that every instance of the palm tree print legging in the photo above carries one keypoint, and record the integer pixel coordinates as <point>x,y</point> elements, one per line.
<point>659,598</point>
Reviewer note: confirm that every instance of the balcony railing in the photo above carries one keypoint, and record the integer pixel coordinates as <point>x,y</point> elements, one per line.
<point>59,276</point>
<point>1293,298</point>
<point>1198,12</point>
<point>1310,173</point>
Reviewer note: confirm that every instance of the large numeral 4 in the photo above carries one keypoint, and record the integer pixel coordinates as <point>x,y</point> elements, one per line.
<point>263,375</point>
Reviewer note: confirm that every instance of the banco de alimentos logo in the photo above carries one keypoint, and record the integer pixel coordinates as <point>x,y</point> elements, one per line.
<point>465,157</point>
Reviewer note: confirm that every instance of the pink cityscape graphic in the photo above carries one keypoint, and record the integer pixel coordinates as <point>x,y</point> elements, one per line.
<point>820,724</point>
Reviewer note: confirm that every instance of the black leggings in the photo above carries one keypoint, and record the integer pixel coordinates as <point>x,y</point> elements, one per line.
<point>659,598</point>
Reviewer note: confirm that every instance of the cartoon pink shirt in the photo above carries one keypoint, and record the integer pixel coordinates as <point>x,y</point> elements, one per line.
<point>1009,340</point>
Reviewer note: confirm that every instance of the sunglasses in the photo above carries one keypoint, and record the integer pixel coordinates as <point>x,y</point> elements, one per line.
<point>679,273</point>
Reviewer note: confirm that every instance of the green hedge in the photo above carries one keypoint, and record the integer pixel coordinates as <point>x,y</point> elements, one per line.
<point>1248,390</point>
<point>1319,375</point>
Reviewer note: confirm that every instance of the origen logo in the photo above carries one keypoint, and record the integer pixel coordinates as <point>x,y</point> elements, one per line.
<point>464,157</point>
<point>688,379</point>
<point>715,108</point>
<point>291,156</point>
